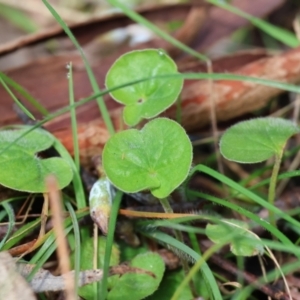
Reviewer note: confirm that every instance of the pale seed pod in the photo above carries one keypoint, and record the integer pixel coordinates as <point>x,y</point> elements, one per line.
<point>100,200</point>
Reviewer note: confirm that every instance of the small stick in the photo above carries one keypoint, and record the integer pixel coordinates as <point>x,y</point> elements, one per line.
<point>62,247</point>
<point>273,292</point>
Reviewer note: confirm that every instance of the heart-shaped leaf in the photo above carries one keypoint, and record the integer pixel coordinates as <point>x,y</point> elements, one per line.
<point>135,286</point>
<point>256,140</point>
<point>149,98</point>
<point>244,242</point>
<point>156,158</point>
<point>20,167</point>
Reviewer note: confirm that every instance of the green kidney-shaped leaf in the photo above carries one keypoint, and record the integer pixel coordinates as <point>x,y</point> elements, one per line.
<point>156,158</point>
<point>149,98</point>
<point>135,286</point>
<point>21,169</point>
<point>244,243</point>
<point>256,140</point>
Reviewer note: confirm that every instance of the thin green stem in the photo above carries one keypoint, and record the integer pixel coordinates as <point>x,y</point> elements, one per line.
<point>73,118</point>
<point>166,205</point>
<point>109,243</point>
<point>209,252</point>
<point>272,186</point>
<point>100,101</point>
<point>178,235</point>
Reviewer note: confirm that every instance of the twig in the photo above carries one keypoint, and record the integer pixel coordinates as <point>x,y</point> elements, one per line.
<point>273,292</point>
<point>62,247</point>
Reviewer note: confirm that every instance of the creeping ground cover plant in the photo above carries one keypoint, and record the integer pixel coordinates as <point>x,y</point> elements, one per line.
<point>158,156</point>
<point>21,167</point>
<point>257,140</point>
<point>155,158</point>
<point>145,99</point>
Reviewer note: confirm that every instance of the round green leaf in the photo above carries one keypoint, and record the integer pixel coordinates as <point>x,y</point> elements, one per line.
<point>156,158</point>
<point>20,167</point>
<point>244,243</point>
<point>256,140</point>
<point>149,98</point>
<point>135,286</point>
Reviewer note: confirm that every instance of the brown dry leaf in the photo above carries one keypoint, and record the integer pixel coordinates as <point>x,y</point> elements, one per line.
<point>234,98</point>
<point>12,285</point>
<point>219,24</point>
<point>87,31</point>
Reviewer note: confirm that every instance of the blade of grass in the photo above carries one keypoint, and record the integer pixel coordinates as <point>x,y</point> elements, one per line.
<point>141,20</point>
<point>18,18</point>
<point>278,33</point>
<point>73,118</point>
<point>189,76</point>
<point>21,233</point>
<point>48,240</point>
<point>77,248</point>
<point>45,252</point>
<point>25,94</point>
<point>277,233</point>
<point>244,191</point>
<point>11,221</point>
<point>77,183</point>
<point>21,106</point>
<point>93,81</point>
<point>109,243</point>
<point>167,239</point>
<point>271,276</point>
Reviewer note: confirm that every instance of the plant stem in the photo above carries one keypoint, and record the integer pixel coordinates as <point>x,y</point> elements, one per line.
<point>178,235</point>
<point>272,186</point>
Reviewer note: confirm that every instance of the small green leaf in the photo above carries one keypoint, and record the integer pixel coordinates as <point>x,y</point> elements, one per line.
<point>149,98</point>
<point>244,243</point>
<point>86,259</point>
<point>256,140</point>
<point>20,167</point>
<point>158,158</point>
<point>172,280</point>
<point>135,286</point>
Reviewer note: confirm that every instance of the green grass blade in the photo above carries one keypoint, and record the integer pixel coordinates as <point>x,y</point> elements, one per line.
<point>93,81</point>
<point>73,118</point>
<point>77,183</point>
<point>109,242</point>
<point>24,93</point>
<point>141,20</point>
<point>210,279</point>
<point>20,105</point>
<point>282,35</point>
<point>44,253</point>
<point>11,221</point>
<point>77,247</point>
<point>189,76</point>
<point>21,233</point>
<point>18,18</point>
<point>262,202</point>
